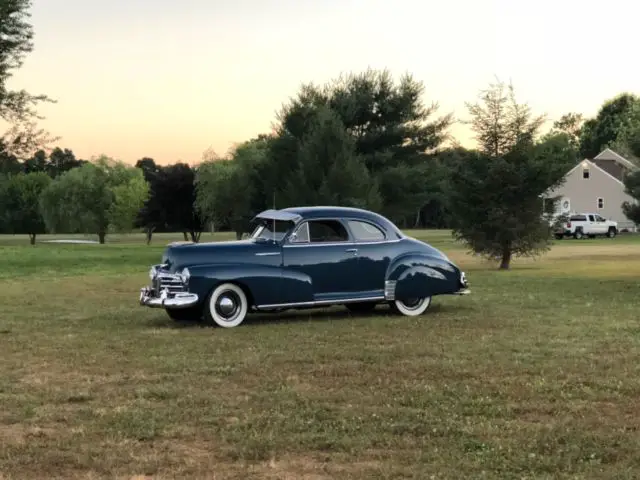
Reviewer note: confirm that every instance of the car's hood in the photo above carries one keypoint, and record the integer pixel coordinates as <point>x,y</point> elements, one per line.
<point>183,255</point>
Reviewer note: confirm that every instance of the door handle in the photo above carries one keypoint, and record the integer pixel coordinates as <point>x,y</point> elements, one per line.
<point>352,250</point>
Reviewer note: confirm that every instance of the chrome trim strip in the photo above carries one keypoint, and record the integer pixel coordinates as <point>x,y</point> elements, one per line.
<point>265,254</point>
<point>390,289</point>
<point>179,300</point>
<point>321,302</point>
<point>335,244</point>
<point>464,291</point>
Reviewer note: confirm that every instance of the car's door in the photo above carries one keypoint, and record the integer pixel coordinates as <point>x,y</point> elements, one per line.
<point>373,251</point>
<point>592,226</point>
<point>322,249</point>
<point>601,225</point>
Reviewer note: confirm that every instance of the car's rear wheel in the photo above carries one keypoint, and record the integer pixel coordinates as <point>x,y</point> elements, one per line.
<point>411,307</point>
<point>227,305</point>
<point>361,307</point>
<point>191,314</point>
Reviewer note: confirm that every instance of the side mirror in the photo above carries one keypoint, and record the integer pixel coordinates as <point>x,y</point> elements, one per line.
<point>293,237</point>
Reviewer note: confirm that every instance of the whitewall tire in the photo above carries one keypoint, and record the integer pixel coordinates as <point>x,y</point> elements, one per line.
<point>227,306</point>
<point>411,308</point>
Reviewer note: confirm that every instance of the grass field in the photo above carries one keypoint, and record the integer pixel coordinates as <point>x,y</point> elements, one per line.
<point>533,375</point>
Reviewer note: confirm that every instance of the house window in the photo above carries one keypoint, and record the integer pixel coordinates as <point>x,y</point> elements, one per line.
<point>600,203</point>
<point>585,173</point>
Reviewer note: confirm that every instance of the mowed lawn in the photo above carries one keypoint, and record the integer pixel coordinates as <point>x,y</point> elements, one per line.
<point>536,374</point>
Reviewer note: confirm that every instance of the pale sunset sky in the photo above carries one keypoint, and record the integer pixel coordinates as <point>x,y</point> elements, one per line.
<point>168,79</point>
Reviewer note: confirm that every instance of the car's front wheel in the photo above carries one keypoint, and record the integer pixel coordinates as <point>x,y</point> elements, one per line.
<point>411,307</point>
<point>227,306</point>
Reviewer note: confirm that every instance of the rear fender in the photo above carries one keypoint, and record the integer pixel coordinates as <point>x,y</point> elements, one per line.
<point>421,275</point>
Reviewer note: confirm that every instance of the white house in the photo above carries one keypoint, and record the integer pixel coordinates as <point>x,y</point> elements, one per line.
<point>596,185</point>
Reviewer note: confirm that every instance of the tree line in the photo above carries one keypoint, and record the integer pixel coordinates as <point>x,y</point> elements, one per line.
<point>362,140</point>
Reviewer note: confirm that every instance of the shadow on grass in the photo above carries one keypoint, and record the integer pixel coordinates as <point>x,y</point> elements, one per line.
<point>305,316</point>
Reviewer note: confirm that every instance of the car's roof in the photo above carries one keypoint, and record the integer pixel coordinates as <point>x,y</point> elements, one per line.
<point>335,211</point>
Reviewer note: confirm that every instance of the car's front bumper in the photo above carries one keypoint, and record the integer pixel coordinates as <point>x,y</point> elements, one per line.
<point>167,290</point>
<point>464,285</point>
<point>150,298</point>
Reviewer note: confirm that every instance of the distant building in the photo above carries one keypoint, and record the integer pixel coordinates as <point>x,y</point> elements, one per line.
<point>596,185</point>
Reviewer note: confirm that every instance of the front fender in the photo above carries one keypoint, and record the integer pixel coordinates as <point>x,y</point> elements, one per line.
<point>262,281</point>
<point>421,275</point>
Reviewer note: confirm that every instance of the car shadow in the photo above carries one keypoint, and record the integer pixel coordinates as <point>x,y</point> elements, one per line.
<point>299,316</point>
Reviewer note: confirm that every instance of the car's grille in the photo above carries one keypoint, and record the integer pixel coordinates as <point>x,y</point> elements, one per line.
<point>170,282</point>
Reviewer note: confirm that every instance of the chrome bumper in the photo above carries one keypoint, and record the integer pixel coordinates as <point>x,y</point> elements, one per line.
<point>464,285</point>
<point>162,292</point>
<point>178,300</point>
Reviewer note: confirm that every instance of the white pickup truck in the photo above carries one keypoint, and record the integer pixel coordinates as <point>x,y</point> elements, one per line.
<point>590,225</point>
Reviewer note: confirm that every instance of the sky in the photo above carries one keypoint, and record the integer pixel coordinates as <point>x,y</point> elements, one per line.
<point>170,79</point>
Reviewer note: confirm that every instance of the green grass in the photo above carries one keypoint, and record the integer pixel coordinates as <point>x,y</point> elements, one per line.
<point>534,375</point>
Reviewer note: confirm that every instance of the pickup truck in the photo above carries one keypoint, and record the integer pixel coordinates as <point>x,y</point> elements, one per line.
<point>590,225</point>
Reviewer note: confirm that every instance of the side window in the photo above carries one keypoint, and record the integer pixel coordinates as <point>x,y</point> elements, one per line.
<point>591,218</point>
<point>327,231</point>
<point>301,234</point>
<point>365,232</point>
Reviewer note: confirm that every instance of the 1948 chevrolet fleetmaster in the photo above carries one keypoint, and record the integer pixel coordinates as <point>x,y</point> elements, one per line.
<point>302,257</point>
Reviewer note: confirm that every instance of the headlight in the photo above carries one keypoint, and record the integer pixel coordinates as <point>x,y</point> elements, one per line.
<point>152,273</point>
<point>185,275</point>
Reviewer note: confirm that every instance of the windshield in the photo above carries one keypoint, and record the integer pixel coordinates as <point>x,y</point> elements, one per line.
<point>271,230</point>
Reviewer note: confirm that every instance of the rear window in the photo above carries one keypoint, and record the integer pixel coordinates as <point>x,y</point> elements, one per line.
<point>578,218</point>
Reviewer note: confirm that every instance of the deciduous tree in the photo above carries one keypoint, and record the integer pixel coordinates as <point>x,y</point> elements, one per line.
<point>171,202</point>
<point>17,107</point>
<point>569,124</point>
<point>611,120</point>
<point>632,188</point>
<point>97,197</point>
<point>177,188</point>
<point>22,204</point>
<point>223,194</point>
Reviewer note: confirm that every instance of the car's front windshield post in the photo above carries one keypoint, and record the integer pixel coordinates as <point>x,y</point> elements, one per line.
<point>271,230</point>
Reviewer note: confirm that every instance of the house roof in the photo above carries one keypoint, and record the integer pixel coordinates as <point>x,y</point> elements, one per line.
<point>611,155</point>
<point>595,166</point>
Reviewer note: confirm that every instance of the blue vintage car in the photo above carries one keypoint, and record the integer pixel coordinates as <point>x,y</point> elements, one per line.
<point>302,257</point>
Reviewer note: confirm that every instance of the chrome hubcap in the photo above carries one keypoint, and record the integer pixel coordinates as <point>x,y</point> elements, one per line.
<point>227,305</point>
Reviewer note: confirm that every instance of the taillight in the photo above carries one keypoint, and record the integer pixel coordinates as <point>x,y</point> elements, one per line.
<point>568,224</point>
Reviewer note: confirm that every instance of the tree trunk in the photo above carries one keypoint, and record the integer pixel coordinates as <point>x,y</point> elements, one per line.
<point>238,235</point>
<point>32,238</point>
<point>416,224</point>
<point>101,236</point>
<point>186,238</point>
<point>505,263</point>
<point>195,236</point>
